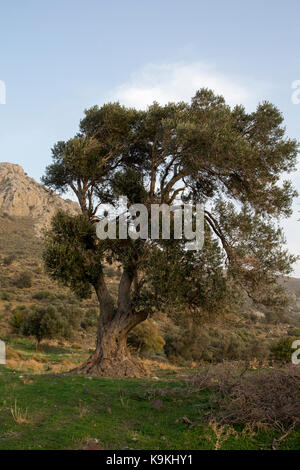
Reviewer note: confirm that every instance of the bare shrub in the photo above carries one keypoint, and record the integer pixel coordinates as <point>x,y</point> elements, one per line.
<point>269,396</point>
<point>218,378</point>
<point>24,281</point>
<point>19,416</point>
<point>221,433</point>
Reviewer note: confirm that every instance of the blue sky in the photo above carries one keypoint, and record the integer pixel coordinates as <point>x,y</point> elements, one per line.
<point>59,57</point>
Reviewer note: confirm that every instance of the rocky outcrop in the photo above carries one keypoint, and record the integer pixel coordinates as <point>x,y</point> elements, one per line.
<point>21,195</point>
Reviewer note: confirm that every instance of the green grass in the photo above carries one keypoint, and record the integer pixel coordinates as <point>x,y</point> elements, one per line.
<point>66,411</point>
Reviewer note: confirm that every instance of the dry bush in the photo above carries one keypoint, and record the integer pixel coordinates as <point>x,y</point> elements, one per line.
<point>219,378</point>
<point>32,364</point>
<point>268,396</point>
<point>62,366</point>
<point>29,364</point>
<point>221,433</point>
<point>12,354</point>
<point>39,358</point>
<point>19,416</point>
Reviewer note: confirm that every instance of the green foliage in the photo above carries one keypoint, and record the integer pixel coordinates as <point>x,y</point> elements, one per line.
<point>43,323</point>
<point>294,332</point>
<point>71,255</point>
<point>146,337</point>
<point>70,318</point>
<point>188,281</point>
<point>129,184</point>
<point>282,349</point>
<point>18,317</point>
<point>212,344</point>
<point>43,295</point>
<point>24,281</point>
<point>90,319</point>
<point>256,242</point>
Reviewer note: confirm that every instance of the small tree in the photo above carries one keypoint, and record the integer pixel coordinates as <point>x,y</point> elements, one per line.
<point>42,323</point>
<point>203,151</point>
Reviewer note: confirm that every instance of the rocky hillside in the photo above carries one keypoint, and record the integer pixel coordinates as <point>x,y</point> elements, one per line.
<point>21,195</point>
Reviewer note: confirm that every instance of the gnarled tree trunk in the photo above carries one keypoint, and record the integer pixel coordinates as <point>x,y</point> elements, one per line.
<point>112,357</point>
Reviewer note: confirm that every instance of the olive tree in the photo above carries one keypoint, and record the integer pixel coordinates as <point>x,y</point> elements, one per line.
<point>204,152</point>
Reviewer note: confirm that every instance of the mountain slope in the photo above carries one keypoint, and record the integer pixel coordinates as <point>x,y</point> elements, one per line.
<point>23,196</point>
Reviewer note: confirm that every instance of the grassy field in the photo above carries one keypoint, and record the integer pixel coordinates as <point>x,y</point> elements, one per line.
<point>58,411</point>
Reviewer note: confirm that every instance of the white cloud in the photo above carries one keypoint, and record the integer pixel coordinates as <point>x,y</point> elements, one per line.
<point>178,81</point>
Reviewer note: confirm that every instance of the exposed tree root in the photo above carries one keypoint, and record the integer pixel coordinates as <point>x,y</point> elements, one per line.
<point>124,367</point>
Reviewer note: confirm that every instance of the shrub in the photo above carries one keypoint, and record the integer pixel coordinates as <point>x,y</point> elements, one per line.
<point>61,296</point>
<point>294,332</point>
<point>6,296</point>
<point>212,344</point>
<point>253,398</point>
<point>24,280</point>
<point>188,344</point>
<point>90,319</point>
<point>282,349</point>
<point>71,317</point>
<point>43,295</point>
<point>18,317</point>
<point>146,337</point>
